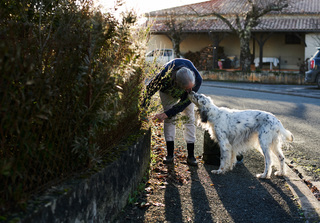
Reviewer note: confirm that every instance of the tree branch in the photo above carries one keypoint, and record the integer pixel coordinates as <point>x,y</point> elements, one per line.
<point>213,13</point>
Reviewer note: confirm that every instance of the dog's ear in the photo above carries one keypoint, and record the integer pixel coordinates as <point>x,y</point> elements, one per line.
<point>203,115</point>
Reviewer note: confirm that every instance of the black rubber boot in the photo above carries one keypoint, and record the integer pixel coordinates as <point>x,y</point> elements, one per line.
<point>170,149</point>
<point>191,160</point>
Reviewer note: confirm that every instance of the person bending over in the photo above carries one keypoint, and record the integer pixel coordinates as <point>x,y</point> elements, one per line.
<point>178,78</point>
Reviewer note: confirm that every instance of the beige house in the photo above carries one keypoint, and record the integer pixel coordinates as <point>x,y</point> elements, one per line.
<point>290,36</point>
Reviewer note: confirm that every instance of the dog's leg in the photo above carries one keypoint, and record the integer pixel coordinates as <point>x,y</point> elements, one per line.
<point>233,158</point>
<point>265,143</point>
<point>267,166</point>
<point>278,152</point>
<point>225,156</point>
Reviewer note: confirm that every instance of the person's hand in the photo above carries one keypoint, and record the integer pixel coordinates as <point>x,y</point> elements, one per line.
<point>160,117</point>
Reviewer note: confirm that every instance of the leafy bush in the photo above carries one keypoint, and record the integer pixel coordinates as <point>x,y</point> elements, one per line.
<point>70,85</point>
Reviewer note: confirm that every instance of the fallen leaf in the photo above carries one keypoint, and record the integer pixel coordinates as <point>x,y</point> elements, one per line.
<point>163,183</point>
<point>149,189</point>
<point>144,204</point>
<point>162,176</point>
<point>158,204</point>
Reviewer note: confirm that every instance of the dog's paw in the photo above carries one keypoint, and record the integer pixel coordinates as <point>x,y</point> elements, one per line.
<point>279,173</point>
<point>216,171</point>
<point>261,175</point>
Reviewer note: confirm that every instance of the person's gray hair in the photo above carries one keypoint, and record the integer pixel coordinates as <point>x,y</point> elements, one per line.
<point>184,76</point>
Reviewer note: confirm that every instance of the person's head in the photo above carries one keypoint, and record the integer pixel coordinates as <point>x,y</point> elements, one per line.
<point>185,79</point>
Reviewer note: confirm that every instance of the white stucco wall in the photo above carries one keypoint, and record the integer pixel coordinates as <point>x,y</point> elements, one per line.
<point>159,42</point>
<point>196,42</point>
<point>291,54</point>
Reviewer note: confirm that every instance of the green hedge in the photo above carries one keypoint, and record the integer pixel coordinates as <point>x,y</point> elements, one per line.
<point>70,83</point>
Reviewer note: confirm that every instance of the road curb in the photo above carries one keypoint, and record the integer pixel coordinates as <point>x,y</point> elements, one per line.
<point>308,202</point>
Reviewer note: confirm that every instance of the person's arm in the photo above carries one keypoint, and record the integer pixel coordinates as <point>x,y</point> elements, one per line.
<point>179,107</point>
<point>151,89</point>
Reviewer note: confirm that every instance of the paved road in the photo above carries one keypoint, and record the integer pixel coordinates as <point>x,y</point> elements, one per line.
<point>299,90</point>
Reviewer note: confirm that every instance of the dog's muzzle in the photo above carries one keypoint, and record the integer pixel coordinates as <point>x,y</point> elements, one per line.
<point>193,97</point>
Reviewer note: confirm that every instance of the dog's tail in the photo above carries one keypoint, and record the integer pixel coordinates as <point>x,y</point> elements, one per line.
<point>287,134</point>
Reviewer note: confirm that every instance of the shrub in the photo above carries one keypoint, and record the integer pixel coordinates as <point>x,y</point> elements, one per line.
<point>70,83</point>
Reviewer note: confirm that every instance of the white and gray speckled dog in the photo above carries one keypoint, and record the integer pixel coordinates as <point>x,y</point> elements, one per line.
<point>239,130</point>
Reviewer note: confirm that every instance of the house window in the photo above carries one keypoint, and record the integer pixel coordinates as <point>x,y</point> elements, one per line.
<point>292,38</point>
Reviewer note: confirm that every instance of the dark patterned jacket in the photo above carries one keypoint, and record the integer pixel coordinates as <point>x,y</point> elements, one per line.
<point>164,82</point>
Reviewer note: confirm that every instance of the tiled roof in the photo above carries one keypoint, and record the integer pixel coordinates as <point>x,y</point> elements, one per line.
<point>266,24</point>
<point>289,24</point>
<point>236,6</point>
<point>301,15</point>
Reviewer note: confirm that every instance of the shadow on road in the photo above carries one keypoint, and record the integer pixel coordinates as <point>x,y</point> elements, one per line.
<point>248,199</point>
<point>201,205</point>
<point>172,198</point>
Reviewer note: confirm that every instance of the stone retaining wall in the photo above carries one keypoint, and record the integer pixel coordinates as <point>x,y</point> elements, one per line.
<point>263,77</point>
<point>98,197</point>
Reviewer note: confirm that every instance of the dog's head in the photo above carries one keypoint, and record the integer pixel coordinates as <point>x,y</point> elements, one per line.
<point>203,103</point>
<point>199,100</point>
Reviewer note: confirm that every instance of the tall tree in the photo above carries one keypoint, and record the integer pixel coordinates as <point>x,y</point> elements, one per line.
<point>175,31</point>
<point>243,23</point>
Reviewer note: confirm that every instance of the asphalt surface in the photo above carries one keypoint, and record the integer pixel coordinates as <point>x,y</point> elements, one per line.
<point>310,206</point>
<point>310,91</point>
